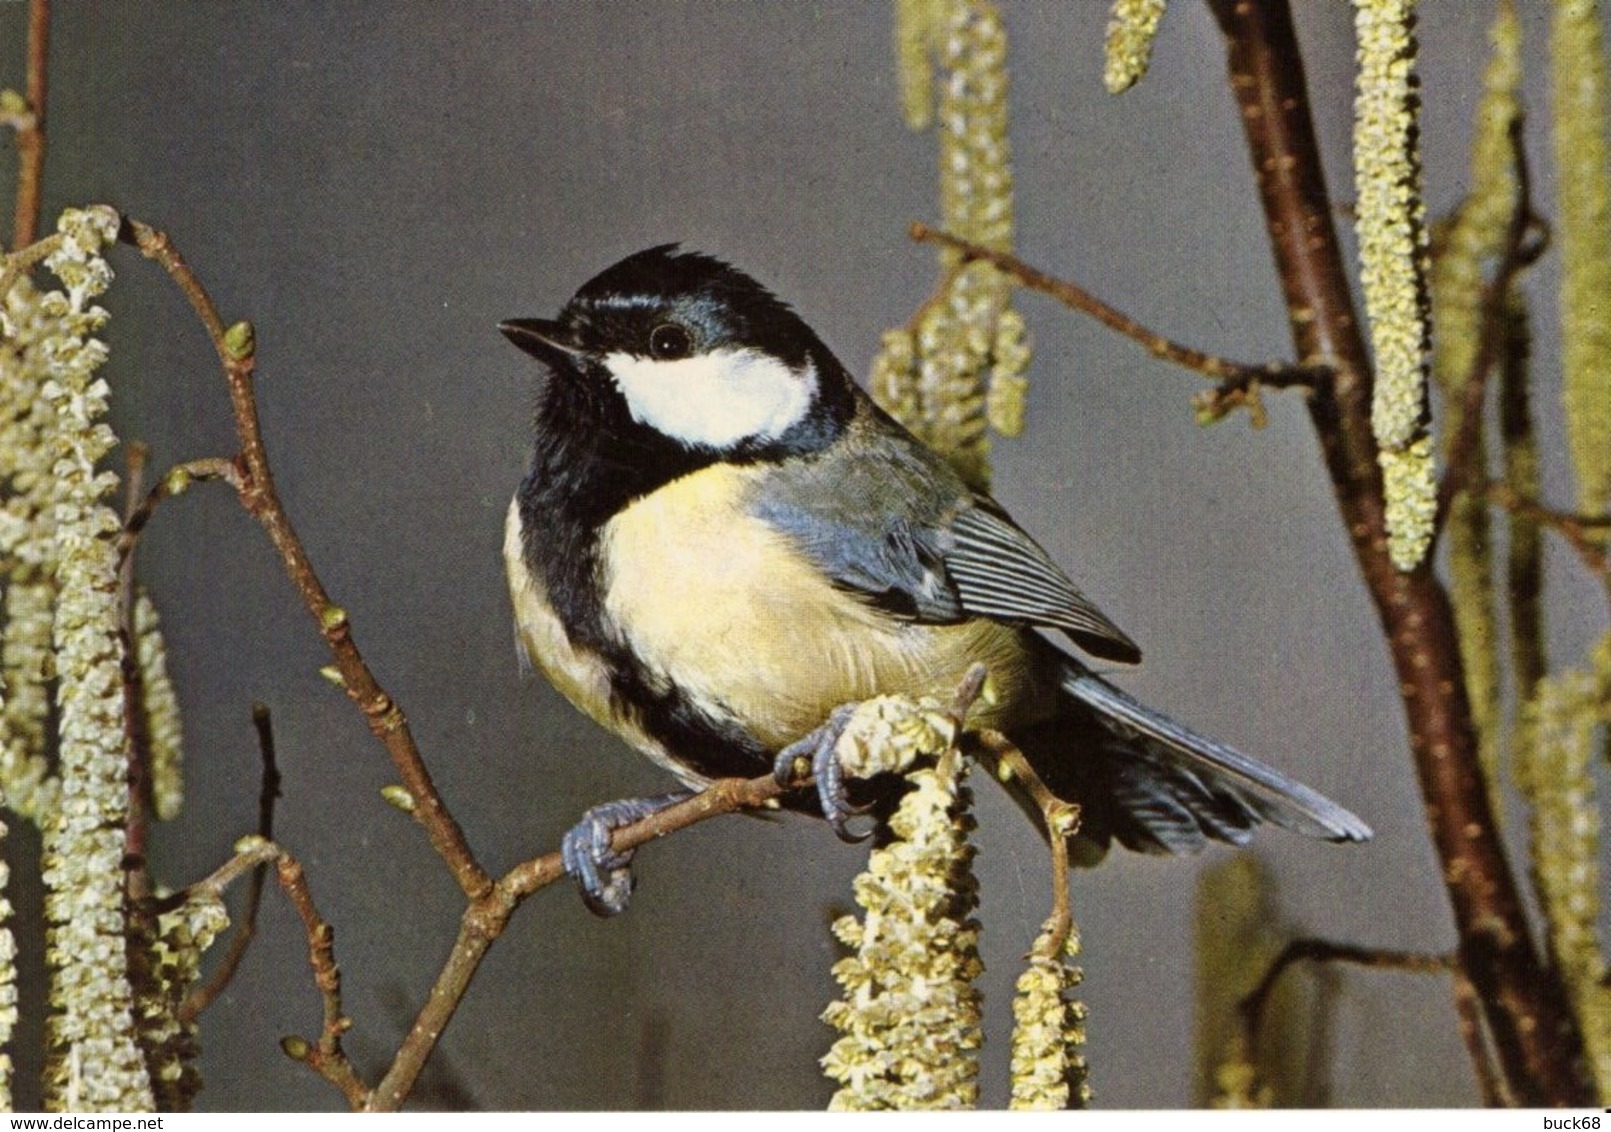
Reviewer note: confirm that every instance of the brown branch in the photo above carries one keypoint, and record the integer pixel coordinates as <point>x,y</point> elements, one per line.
<point>176,482</point>
<point>1236,378</point>
<point>256,491</point>
<point>1575,529</point>
<point>1534,1031</point>
<point>1310,950</point>
<point>484,920</point>
<point>1468,1012</point>
<point>1250,1011</point>
<point>136,831</point>
<point>325,1056</point>
<point>31,133</point>
<point>1062,820</point>
<point>201,997</point>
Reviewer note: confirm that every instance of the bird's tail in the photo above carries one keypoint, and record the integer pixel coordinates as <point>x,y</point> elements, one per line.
<point>1144,780</point>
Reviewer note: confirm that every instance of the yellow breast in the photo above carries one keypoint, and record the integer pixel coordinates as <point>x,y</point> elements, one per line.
<point>722,606</point>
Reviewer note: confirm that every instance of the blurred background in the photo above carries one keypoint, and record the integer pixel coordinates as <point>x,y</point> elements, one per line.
<point>376,186</point>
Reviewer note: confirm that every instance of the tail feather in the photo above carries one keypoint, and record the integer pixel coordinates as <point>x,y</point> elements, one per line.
<point>1169,789</point>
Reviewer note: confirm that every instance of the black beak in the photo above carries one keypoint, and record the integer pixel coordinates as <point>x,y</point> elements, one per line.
<point>548,342</point>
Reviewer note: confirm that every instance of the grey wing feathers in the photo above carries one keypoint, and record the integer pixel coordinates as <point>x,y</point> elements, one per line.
<point>1197,763</point>
<point>1000,572</point>
<point>887,518</point>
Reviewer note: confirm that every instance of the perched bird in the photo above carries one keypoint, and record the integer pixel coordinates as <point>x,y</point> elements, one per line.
<point>722,539</point>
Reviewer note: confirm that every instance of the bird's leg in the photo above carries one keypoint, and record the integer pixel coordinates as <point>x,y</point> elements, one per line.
<point>818,748</point>
<point>603,876</point>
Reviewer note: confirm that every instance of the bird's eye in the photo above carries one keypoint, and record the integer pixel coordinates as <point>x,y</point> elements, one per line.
<point>668,342</point>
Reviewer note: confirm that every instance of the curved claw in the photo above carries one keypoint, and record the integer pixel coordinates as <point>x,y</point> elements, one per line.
<point>819,750</point>
<point>603,876</point>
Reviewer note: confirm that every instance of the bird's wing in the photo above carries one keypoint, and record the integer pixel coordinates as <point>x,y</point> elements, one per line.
<point>892,523</point>
<point>998,571</point>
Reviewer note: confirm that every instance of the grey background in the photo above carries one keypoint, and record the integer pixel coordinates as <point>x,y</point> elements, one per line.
<point>375,186</point>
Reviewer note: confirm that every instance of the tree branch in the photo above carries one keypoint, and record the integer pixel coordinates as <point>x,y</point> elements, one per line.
<point>257,494</point>
<point>201,997</point>
<point>1525,1006</point>
<point>1238,381</point>
<point>484,920</point>
<point>326,1057</point>
<point>1001,756</point>
<point>1575,529</point>
<point>177,480</point>
<point>31,133</point>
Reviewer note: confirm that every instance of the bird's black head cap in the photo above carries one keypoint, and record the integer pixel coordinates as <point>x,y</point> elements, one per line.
<point>716,303</point>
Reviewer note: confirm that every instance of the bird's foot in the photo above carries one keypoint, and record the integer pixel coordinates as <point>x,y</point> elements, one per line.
<point>603,876</point>
<point>819,750</point>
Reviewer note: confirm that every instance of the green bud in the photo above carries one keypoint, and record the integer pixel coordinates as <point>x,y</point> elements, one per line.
<point>398,797</point>
<point>332,618</point>
<point>296,1048</point>
<point>250,843</point>
<point>240,341</point>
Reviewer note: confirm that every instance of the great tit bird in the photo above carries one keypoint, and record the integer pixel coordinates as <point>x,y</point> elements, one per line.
<point>722,540</point>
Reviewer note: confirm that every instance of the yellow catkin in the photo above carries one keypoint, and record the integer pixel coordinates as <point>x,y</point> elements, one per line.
<point>1554,769</point>
<point>1583,233</point>
<point>1048,1038</point>
<point>166,962</point>
<point>93,1062</point>
<point>163,731</point>
<point>1237,935</point>
<point>917,28</point>
<point>1392,247</point>
<point>958,368</point>
<point>909,1017</point>
<point>1411,493</point>
<point>27,552</point>
<point>1132,26</point>
<point>1472,241</point>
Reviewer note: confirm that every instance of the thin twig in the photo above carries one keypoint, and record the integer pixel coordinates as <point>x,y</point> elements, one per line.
<point>1251,1008</point>
<point>31,134</point>
<point>1002,758</point>
<point>248,857</point>
<point>203,996</point>
<point>137,875</point>
<point>1573,528</point>
<point>177,480</point>
<point>257,494</point>
<point>484,920</point>
<point>1576,529</point>
<point>1276,375</point>
<point>325,1056</point>
<point>1468,1012</point>
<point>20,262</point>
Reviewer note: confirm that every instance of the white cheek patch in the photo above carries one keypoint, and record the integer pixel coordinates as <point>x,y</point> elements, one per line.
<point>717,399</point>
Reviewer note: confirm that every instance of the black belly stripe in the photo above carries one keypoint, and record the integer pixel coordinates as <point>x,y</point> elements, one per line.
<point>706,746</point>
